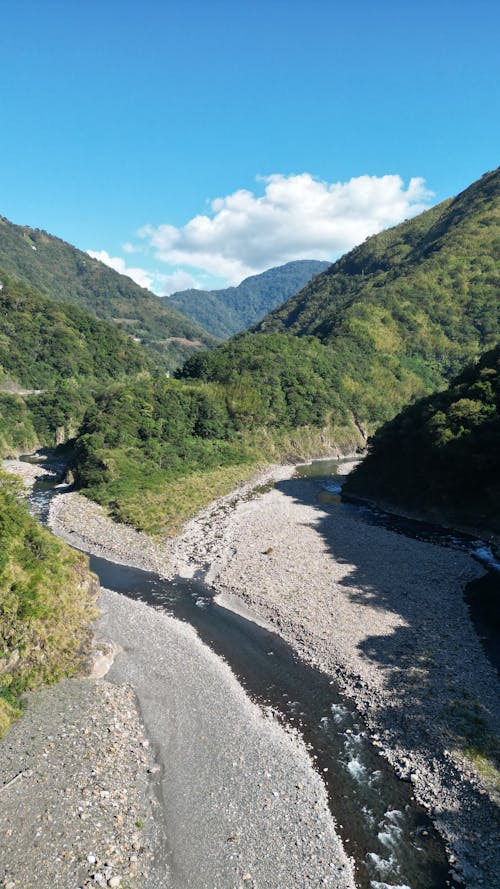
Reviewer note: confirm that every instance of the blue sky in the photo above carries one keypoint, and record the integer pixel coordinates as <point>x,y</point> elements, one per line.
<point>119,117</point>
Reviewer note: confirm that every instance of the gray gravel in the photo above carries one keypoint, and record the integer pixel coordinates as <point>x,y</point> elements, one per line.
<point>76,804</point>
<point>242,804</point>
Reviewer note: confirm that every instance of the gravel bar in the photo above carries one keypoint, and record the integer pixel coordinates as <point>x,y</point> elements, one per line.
<point>242,804</point>
<point>76,804</point>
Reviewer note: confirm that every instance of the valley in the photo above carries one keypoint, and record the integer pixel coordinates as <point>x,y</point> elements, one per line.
<point>305,686</point>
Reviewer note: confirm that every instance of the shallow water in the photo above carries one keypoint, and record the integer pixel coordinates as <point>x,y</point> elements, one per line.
<point>389,836</point>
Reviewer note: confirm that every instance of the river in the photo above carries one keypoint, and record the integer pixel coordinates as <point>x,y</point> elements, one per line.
<point>390,837</point>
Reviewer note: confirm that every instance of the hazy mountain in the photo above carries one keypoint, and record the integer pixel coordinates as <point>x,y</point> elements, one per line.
<point>64,273</point>
<point>225,312</point>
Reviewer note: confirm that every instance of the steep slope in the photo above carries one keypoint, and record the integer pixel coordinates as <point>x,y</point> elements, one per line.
<point>403,311</point>
<point>62,272</point>
<point>441,456</point>
<point>225,312</point>
<point>408,307</point>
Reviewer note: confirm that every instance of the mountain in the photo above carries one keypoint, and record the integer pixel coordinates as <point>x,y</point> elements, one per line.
<point>393,320</point>
<point>405,310</point>
<point>62,272</point>
<point>441,456</point>
<point>225,312</point>
<point>44,342</point>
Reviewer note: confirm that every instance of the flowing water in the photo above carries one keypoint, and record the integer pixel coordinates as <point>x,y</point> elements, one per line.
<point>389,836</point>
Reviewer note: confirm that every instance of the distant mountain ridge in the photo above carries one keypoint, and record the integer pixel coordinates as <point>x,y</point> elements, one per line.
<point>62,272</point>
<point>232,309</point>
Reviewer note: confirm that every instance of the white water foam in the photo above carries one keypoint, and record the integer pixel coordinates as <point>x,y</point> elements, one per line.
<point>339,713</point>
<point>356,769</point>
<point>385,866</point>
<point>202,602</point>
<point>369,816</point>
<point>393,815</point>
<point>390,835</point>
<point>376,885</point>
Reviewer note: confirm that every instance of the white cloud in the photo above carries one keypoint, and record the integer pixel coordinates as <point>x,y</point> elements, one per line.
<point>140,276</point>
<point>178,280</point>
<point>297,217</point>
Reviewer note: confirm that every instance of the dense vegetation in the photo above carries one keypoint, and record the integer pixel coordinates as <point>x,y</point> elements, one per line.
<point>226,312</point>
<point>405,310</point>
<point>46,599</point>
<point>61,272</point>
<point>441,456</point>
<point>145,443</point>
<point>62,355</point>
<point>43,342</point>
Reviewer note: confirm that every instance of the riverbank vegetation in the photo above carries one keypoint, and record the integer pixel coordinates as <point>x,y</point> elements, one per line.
<point>441,456</point>
<point>154,451</point>
<point>46,603</point>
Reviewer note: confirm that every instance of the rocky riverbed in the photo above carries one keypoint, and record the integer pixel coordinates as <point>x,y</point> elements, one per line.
<point>77,808</point>
<point>382,613</point>
<point>240,802</point>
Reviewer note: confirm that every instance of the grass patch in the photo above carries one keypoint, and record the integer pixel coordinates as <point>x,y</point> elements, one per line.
<point>471,738</point>
<point>159,501</point>
<point>161,508</point>
<point>46,603</point>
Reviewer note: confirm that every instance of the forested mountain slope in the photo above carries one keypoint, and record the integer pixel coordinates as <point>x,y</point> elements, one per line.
<point>441,456</point>
<point>407,308</point>
<point>62,351</point>
<point>64,273</point>
<point>226,312</point>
